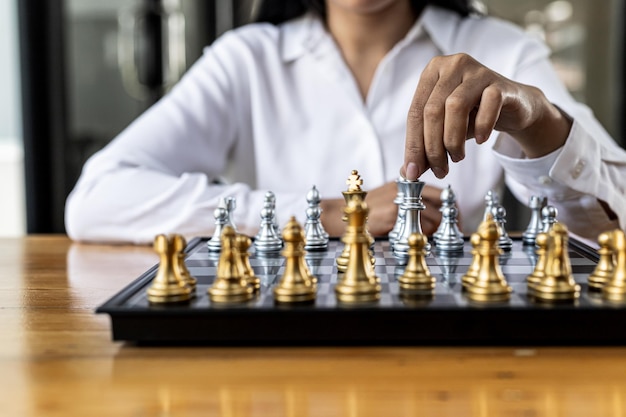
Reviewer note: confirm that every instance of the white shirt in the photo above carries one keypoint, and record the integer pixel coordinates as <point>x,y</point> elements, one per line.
<point>276,108</point>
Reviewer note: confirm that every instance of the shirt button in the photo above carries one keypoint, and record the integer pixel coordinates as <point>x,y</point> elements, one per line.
<point>545,180</point>
<point>578,168</point>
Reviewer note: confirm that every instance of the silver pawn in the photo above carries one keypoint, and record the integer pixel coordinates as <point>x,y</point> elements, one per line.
<point>504,240</point>
<point>535,225</point>
<point>316,237</point>
<point>548,217</point>
<point>267,240</point>
<point>450,239</point>
<point>393,235</point>
<point>221,218</point>
<point>448,199</point>
<point>412,205</point>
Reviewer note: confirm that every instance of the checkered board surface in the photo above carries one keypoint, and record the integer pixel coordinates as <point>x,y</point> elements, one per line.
<point>262,321</point>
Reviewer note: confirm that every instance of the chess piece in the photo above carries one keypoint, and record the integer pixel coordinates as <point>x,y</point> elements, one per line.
<point>416,276</point>
<point>557,284</point>
<point>167,286</point>
<point>491,200</point>
<point>449,238</point>
<point>231,205</point>
<point>548,217</point>
<point>605,268</point>
<point>230,285</point>
<point>412,205</point>
<point>393,235</point>
<point>354,192</point>
<point>359,283</point>
<point>490,284</point>
<point>448,199</point>
<point>270,200</point>
<point>504,240</point>
<point>221,219</point>
<point>297,284</point>
<point>179,244</point>
<point>316,237</point>
<point>615,288</point>
<point>535,226</point>
<point>541,242</point>
<point>472,271</point>
<point>267,241</point>
<point>243,244</point>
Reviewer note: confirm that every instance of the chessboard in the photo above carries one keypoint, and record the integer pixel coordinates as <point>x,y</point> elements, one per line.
<point>444,317</point>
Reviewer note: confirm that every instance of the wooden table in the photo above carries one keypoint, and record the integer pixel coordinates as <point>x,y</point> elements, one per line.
<point>57,359</point>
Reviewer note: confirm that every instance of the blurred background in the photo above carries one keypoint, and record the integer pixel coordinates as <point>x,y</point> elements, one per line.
<point>74,73</point>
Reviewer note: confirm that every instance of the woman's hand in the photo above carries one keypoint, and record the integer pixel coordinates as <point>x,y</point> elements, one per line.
<point>458,98</point>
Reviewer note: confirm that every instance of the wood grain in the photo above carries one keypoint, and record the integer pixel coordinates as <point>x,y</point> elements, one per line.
<point>57,359</point>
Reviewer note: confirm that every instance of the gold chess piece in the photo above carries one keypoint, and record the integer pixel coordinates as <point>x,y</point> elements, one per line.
<point>472,271</point>
<point>230,286</point>
<point>558,283</point>
<point>243,244</point>
<point>168,286</point>
<point>541,241</point>
<point>354,191</point>
<point>359,283</point>
<point>490,284</point>
<point>615,288</point>
<point>606,264</point>
<point>416,276</point>
<point>179,266</point>
<point>297,285</point>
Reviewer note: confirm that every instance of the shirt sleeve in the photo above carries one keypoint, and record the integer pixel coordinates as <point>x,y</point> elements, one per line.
<point>160,175</point>
<point>588,168</point>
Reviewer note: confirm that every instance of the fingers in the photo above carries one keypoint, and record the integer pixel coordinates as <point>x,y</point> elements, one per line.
<point>456,99</point>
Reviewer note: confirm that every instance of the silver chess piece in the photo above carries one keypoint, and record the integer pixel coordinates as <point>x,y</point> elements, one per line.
<point>231,205</point>
<point>448,199</point>
<point>221,219</point>
<point>504,240</point>
<point>270,199</point>
<point>393,235</point>
<point>315,236</point>
<point>536,204</point>
<point>267,239</point>
<point>412,205</point>
<point>450,238</point>
<point>491,200</point>
<point>548,217</point>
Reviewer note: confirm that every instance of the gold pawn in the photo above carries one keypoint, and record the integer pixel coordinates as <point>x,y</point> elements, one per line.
<point>359,283</point>
<point>472,271</point>
<point>558,282</point>
<point>615,288</point>
<point>229,285</point>
<point>180,268</point>
<point>297,285</point>
<point>542,255</point>
<point>490,284</point>
<point>416,276</point>
<point>167,286</point>
<point>243,243</point>
<point>606,264</point>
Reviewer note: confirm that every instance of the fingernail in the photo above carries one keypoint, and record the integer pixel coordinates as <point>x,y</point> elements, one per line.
<point>412,172</point>
<point>439,173</point>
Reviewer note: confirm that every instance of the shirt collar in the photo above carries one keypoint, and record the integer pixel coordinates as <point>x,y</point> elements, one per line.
<point>307,33</point>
